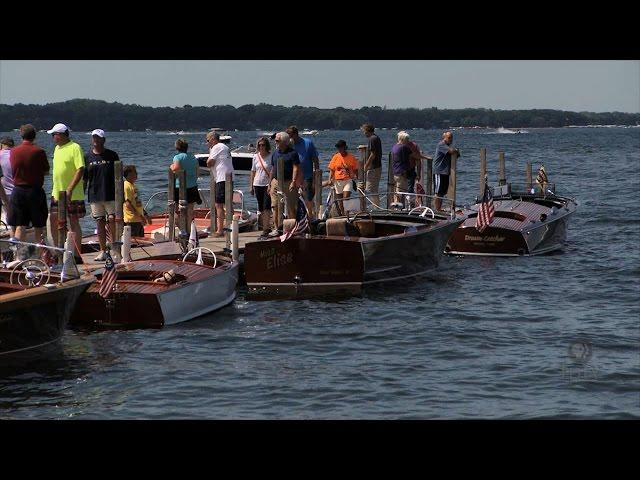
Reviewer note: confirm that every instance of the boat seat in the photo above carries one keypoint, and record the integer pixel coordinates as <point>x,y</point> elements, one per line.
<point>366,227</point>
<point>336,226</point>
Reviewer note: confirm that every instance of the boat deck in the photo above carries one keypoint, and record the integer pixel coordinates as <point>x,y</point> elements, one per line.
<point>520,214</point>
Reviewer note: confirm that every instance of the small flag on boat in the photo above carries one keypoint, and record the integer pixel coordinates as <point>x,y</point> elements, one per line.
<point>486,210</point>
<point>542,178</point>
<point>109,277</point>
<point>302,222</point>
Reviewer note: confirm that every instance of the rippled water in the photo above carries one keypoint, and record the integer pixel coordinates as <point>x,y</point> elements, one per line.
<point>478,338</point>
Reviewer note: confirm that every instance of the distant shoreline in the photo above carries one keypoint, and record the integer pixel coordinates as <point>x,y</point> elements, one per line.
<point>83,114</point>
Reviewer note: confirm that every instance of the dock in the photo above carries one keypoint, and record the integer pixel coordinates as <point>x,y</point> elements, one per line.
<point>216,244</point>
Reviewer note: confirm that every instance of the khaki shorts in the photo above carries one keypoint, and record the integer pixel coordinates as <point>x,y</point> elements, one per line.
<point>102,209</point>
<point>343,186</point>
<point>401,182</point>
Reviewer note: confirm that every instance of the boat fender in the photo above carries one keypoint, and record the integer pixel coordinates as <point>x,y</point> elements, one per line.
<point>543,217</point>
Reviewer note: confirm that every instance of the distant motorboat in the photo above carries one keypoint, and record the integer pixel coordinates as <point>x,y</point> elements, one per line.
<point>507,131</point>
<point>309,132</point>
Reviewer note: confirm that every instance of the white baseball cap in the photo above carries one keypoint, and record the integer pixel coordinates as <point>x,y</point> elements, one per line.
<point>99,132</point>
<point>59,128</point>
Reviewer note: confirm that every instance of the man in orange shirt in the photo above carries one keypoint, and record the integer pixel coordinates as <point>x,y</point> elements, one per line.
<point>344,168</point>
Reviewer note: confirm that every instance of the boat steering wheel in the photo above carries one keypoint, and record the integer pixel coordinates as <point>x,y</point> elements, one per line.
<point>32,272</point>
<point>196,250</point>
<point>423,214</point>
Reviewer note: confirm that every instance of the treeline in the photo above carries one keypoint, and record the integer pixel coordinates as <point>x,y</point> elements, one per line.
<point>84,114</point>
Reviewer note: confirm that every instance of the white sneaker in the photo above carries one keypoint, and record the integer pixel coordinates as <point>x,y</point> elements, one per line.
<point>100,258</point>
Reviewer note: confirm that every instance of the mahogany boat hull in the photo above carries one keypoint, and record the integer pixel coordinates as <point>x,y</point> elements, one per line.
<point>530,235</point>
<point>31,320</point>
<point>307,266</point>
<point>142,304</point>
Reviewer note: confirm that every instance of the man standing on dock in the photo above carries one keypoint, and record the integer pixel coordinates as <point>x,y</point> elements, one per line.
<point>309,162</point>
<point>291,168</point>
<point>221,163</point>
<point>29,165</point>
<point>442,167</point>
<point>68,170</point>
<point>100,182</point>
<point>373,163</point>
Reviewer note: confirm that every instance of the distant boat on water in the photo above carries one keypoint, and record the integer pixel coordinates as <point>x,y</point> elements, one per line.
<point>507,131</point>
<point>309,132</point>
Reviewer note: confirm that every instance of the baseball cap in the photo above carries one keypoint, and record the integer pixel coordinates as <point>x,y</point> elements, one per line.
<point>59,128</point>
<point>341,143</point>
<point>99,132</point>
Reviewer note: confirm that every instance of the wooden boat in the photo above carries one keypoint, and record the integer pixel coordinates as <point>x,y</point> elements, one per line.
<point>524,223</point>
<point>342,255</point>
<point>159,291</point>
<point>36,302</point>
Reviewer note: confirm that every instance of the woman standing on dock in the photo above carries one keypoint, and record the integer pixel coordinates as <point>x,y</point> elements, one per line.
<point>187,162</point>
<point>260,170</point>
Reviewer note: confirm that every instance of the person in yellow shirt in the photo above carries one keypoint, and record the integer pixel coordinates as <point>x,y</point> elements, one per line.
<point>133,213</point>
<point>344,169</point>
<point>68,169</point>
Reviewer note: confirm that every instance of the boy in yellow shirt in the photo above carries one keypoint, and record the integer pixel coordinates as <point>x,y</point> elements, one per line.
<point>134,214</point>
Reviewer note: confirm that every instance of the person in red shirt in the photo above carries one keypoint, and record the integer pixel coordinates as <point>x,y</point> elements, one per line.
<point>28,203</point>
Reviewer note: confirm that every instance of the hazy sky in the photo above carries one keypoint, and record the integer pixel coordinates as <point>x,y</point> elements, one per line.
<point>596,86</point>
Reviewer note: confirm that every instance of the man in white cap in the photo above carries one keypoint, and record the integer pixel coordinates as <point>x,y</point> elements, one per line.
<point>100,182</point>
<point>68,169</point>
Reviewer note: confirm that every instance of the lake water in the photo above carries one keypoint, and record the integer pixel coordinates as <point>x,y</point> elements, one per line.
<point>477,338</point>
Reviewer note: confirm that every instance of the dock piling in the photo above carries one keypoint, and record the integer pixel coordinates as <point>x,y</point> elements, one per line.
<point>61,228</point>
<point>280,206</point>
<point>171,207</point>
<point>228,205</point>
<point>452,182</point>
<point>503,176</point>
<point>119,202</point>
<point>317,185</point>
<point>391,186</point>
<point>235,229</point>
<point>529,177</point>
<point>483,169</point>
<point>212,201</point>
<point>429,181</point>
<point>361,177</point>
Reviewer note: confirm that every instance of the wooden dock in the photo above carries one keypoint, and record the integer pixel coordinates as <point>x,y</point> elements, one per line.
<point>217,245</point>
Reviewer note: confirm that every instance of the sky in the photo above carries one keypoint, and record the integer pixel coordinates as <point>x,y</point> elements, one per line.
<point>585,85</point>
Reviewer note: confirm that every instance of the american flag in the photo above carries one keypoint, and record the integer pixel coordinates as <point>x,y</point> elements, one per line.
<point>302,222</point>
<point>542,178</point>
<point>486,210</point>
<point>109,277</point>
